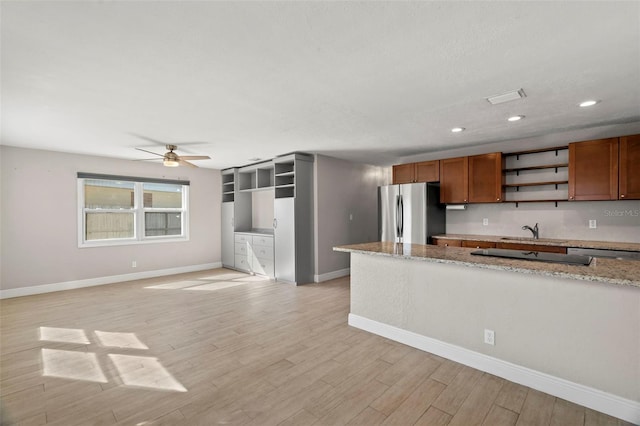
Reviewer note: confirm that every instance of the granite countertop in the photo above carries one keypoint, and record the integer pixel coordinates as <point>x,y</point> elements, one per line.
<point>611,271</point>
<point>607,245</point>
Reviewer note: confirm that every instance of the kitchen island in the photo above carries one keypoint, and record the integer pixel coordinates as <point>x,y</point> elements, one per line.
<point>568,330</point>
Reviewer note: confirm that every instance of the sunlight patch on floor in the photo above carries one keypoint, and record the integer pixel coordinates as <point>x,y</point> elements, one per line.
<point>216,286</point>
<point>72,365</point>
<point>175,285</point>
<point>136,371</point>
<point>224,277</point>
<point>64,335</point>
<point>152,374</point>
<point>253,278</point>
<point>119,340</point>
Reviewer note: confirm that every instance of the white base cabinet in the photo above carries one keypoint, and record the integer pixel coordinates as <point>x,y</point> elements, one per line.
<point>254,253</point>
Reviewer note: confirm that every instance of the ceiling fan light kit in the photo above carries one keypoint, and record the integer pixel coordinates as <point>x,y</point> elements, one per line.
<point>171,159</point>
<point>170,163</point>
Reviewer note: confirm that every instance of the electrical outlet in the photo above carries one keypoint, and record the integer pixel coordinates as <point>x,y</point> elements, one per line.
<point>593,224</point>
<point>489,337</point>
<point>134,264</point>
<point>485,222</point>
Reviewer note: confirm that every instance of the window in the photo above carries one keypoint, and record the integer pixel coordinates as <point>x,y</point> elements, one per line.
<point>124,210</point>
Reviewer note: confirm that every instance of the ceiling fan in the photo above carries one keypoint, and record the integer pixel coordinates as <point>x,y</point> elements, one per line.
<point>171,159</point>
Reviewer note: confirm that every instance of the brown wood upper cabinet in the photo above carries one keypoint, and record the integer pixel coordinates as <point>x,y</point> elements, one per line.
<point>485,178</point>
<point>425,171</point>
<point>629,165</point>
<point>475,179</point>
<point>593,170</point>
<point>454,180</point>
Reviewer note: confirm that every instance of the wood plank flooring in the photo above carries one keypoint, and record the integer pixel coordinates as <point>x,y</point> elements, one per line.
<point>221,347</point>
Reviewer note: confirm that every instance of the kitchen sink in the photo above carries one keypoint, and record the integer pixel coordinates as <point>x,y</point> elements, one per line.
<point>567,259</point>
<point>524,239</point>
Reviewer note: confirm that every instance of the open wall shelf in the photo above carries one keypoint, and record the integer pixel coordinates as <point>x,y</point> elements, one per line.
<point>538,175</point>
<point>285,179</point>
<point>228,186</point>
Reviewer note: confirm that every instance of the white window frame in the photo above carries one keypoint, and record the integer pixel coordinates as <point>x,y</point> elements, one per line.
<point>138,212</point>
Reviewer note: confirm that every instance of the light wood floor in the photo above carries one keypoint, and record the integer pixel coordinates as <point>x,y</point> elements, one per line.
<point>219,347</point>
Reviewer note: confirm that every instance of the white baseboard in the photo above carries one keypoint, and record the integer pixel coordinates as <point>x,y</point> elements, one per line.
<point>90,282</point>
<point>595,399</point>
<point>332,275</point>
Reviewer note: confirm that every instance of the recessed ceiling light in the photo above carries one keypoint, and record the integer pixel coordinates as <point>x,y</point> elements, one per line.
<point>255,159</point>
<point>457,129</point>
<point>588,103</point>
<point>515,118</point>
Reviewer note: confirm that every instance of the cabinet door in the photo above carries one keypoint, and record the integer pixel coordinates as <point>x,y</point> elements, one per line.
<point>629,165</point>
<point>485,178</point>
<point>227,237</point>
<point>593,170</point>
<point>284,239</point>
<point>404,173</point>
<point>428,171</point>
<point>454,179</point>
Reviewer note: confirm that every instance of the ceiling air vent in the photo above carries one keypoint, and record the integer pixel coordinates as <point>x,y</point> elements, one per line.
<point>506,97</point>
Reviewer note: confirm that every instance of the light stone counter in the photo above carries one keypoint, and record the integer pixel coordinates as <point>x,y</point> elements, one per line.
<point>611,271</point>
<point>605,245</point>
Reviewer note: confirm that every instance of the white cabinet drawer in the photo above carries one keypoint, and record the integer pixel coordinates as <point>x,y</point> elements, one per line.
<point>265,241</point>
<point>243,238</point>
<point>263,266</point>
<point>242,263</point>
<point>242,248</point>
<point>263,252</point>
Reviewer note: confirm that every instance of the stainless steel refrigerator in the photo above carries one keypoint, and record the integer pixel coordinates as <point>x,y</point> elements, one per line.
<point>410,213</point>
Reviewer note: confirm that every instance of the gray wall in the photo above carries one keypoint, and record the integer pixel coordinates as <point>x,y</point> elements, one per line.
<point>616,220</point>
<point>39,238</point>
<point>343,188</point>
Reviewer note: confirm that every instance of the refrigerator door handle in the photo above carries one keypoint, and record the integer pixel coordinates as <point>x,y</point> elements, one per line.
<point>401,217</point>
<point>397,217</point>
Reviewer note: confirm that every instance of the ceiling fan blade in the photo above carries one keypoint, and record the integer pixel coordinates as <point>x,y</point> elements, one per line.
<point>146,138</point>
<point>195,157</point>
<point>148,159</point>
<point>154,153</point>
<point>186,163</point>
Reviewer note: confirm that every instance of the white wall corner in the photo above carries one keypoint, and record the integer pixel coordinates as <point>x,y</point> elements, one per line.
<point>91,282</point>
<point>595,399</point>
<point>332,275</point>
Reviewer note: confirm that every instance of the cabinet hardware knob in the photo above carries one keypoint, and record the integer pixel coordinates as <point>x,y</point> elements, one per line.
<point>622,196</point>
<point>446,245</point>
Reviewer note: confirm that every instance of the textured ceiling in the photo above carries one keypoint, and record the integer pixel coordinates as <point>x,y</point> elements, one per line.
<point>364,81</point>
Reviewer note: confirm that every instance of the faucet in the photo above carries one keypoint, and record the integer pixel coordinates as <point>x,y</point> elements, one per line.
<point>533,230</point>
